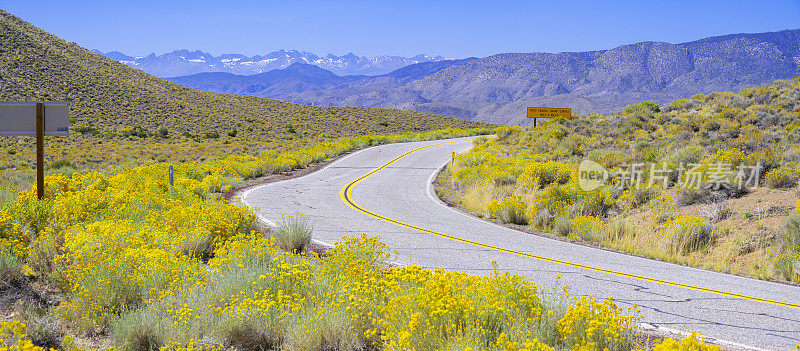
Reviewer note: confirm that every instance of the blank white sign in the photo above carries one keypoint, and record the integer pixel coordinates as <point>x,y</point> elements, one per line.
<point>19,118</point>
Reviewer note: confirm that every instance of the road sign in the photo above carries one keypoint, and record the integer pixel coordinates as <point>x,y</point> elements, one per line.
<point>19,118</point>
<point>35,119</point>
<point>549,112</point>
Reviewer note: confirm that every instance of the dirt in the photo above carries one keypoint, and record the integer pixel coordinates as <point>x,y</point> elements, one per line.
<point>25,291</point>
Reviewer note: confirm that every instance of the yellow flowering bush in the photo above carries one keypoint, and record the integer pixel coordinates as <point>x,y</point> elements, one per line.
<point>783,177</point>
<point>693,342</point>
<point>509,210</point>
<point>114,241</point>
<point>598,325</point>
<point>731,156</point>
<point>13,338</point>
<point>255,295</point>
<point>559,200</point>
<point>588,228</point>
<point>538,174</point>
<point>662,208</point>
<point>635,197</point>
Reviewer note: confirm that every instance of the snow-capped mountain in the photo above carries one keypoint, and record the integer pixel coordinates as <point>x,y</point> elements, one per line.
<point>185,62</point>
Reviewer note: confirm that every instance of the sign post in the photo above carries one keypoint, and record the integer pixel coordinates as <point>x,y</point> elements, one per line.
<point>35,119</point>
<point>548,112</point>
<point>171,176</point>
<point>39,150</point>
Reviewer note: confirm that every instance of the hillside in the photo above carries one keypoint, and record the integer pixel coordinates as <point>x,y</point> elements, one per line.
<point>710,181</point>
<point>111,99</point>
<point>498,88</point>
<point>298,77</point>
<point>185,62</point>
<point>301,77</point>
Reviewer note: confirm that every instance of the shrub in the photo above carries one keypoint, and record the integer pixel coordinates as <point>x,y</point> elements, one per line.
<point>635,197</point>
<point>539,174</point>
<point>13,337</point>
<point>663,209</point>
<point>141,330</point>
<point>587,228</point>
<point>789,232</point>
<point>136,131</point>
<point>690,196</point>
<point>596,202</point>
<point>86,130</point>
<point>646,109</point>
<point>786,266</point>
<point>686,155</point>
<point>14,248</point>
<point>509,210</point>
<point>561,226</point>
<point>61,164</point>
<point>693,342</point>
<point>293,233</point>
<point>11,266</point>
<point>162,132</point>
<point>598,323</point>
<point>616,229</point>
<point>688,233</point>
<point>716,211</point>
<point>782,177</point>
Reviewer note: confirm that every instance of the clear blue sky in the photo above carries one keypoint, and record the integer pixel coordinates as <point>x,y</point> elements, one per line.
<point>449,28</point>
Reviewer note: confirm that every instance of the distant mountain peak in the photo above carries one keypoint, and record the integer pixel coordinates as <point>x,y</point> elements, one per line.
<point>184,62</point>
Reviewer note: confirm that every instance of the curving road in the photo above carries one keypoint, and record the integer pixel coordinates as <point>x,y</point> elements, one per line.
<point>386,191</point>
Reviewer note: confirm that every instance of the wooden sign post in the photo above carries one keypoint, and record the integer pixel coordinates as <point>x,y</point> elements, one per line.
<point>39,150</point>
<point>548,112</point>
<point>35,119</point>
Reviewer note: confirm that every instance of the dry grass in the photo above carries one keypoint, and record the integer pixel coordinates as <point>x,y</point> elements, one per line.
<point>745,241</point>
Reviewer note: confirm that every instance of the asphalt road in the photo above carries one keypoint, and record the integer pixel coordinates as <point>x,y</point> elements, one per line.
<point>396,202</point>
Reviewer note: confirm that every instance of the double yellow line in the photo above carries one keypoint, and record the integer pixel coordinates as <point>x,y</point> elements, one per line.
<point>346,196</point>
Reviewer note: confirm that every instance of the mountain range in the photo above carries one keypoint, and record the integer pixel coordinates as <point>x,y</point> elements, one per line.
<point>111,100</point>
<point>185,62</point>
<point>498,88</point>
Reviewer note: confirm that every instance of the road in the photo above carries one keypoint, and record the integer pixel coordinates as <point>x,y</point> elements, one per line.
<point>386,191</point>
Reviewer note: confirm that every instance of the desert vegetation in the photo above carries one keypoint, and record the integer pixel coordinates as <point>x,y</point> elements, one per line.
<point>126,260</point>
<point>715,142</point>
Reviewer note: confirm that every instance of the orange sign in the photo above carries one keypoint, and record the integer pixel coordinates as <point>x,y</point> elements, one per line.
<point>549,112</point>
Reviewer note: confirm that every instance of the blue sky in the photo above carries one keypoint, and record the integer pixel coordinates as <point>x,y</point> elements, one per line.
<point>449,28</point>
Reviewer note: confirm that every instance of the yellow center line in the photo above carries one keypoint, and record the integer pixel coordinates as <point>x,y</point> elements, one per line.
<point>346,196</point>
